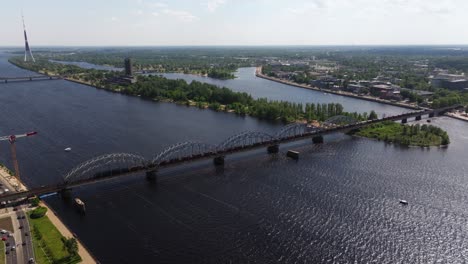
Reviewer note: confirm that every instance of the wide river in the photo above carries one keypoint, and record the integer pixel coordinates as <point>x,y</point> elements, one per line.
<point>337,204</point>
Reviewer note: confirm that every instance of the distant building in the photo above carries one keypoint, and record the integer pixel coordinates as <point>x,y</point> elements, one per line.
<point>450,81</point>
<point>128,67</point>
<point>424,94</point>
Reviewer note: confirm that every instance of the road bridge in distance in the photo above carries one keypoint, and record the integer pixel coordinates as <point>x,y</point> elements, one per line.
<point>29,78</point>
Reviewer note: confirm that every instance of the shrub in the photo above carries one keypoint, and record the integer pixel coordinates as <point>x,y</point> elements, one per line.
<point>38,212</point>
<point>35,201</point>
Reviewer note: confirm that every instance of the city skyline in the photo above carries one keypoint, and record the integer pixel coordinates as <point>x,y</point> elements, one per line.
<point>229,22</point>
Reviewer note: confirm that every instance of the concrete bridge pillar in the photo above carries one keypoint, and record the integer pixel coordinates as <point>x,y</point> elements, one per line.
<point>6,81</point>
<point>152,176</point>
<point>273,149</point>
<point>219,161</point>
<point>66,193</point>
<point>432,114</point>
<point>418,118</point>
<point>404,121</point>
<point>30,78</point>
<point>318,139</point>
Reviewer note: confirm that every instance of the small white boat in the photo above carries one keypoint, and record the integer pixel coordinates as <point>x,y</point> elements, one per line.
<point>68,149</point>
<point>404,202</point>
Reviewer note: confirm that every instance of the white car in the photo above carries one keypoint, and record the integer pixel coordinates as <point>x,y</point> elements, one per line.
<point>6,190</point>
<point>3,231</point>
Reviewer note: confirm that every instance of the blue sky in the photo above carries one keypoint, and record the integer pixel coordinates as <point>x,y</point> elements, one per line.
<point>234,22</point>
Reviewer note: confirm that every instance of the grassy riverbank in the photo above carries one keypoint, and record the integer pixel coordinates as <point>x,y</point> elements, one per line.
<point>407,135</point>
<point>48,243</point>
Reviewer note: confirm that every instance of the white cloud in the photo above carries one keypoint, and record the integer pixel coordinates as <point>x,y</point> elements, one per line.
<point>181,15</point>
<point>307,7</point>
<point>155,14</point>
<point>158,5</point>
<point>114,18</point>
<point>212,5</point>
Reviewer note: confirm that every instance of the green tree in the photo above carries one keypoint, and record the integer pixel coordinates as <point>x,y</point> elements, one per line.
<point>71,245</point>
<point>373,115</point>
<point>35,201</point>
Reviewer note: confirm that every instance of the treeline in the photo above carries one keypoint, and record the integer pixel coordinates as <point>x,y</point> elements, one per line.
<point>202,95</point>
<point>223,99</point>
<point>443,98</point>
<point>222,74</point>
<point>408,135</point>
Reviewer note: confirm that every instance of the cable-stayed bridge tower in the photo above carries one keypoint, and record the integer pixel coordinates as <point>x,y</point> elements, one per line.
<point>27,49</point>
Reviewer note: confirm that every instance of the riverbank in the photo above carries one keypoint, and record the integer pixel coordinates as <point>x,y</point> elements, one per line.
<point>258,73</point>
<point>12,183</point>
<point>85,255</point>
<point>458,115</point>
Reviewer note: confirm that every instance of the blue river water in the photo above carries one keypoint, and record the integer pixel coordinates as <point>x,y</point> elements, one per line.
<point>337,204</point>
<point>246,81</point>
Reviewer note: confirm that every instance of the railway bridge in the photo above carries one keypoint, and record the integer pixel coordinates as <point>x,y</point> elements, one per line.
<point>115,165</point>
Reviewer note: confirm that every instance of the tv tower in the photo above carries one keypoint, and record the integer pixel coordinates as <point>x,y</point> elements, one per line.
<point>27,49</point>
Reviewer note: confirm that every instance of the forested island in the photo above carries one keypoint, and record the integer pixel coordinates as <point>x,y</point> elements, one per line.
<point>407,135</point>
<point>198,94</point>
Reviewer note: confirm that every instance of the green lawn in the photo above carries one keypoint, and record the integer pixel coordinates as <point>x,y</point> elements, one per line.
<point>50,247</point>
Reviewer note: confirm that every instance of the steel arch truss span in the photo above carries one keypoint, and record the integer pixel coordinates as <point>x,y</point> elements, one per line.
<point>106,166</point>
<point>340,120</point>
<point>245,139</point>
<point>182,151</point>
<point>295,130</point>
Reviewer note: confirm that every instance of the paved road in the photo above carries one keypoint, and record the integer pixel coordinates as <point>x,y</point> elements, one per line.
<point>11,257</point>
<point>25,242</point>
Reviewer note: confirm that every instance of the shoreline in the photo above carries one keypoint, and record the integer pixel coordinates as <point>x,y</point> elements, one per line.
<point>259,74</point>
<point>84,253</point>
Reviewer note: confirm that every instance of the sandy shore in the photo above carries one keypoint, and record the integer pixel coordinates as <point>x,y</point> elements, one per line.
<point>82,251</point>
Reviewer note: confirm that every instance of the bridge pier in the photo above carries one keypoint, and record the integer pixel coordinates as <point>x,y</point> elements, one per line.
<point>432,114</point>
<point>6,81</point>
<point>404,121</point>
<point>30,78</point>
<point>218,161</point>
<point>66,193</point>
<point>273,149</point>
<point>152,176</point>
<point>418,118</point>
<point>318,139</point>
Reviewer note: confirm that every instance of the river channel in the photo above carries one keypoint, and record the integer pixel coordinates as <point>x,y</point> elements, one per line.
<point>337,204</point>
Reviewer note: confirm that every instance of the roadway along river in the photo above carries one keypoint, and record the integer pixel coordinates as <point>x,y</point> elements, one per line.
<point>338,203</point>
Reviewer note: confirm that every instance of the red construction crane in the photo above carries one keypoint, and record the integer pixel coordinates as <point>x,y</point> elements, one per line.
<point>12,139</point>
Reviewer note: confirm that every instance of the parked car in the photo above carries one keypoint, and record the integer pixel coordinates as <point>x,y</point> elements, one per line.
<point>3,231</point>
<point>13,248</point>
